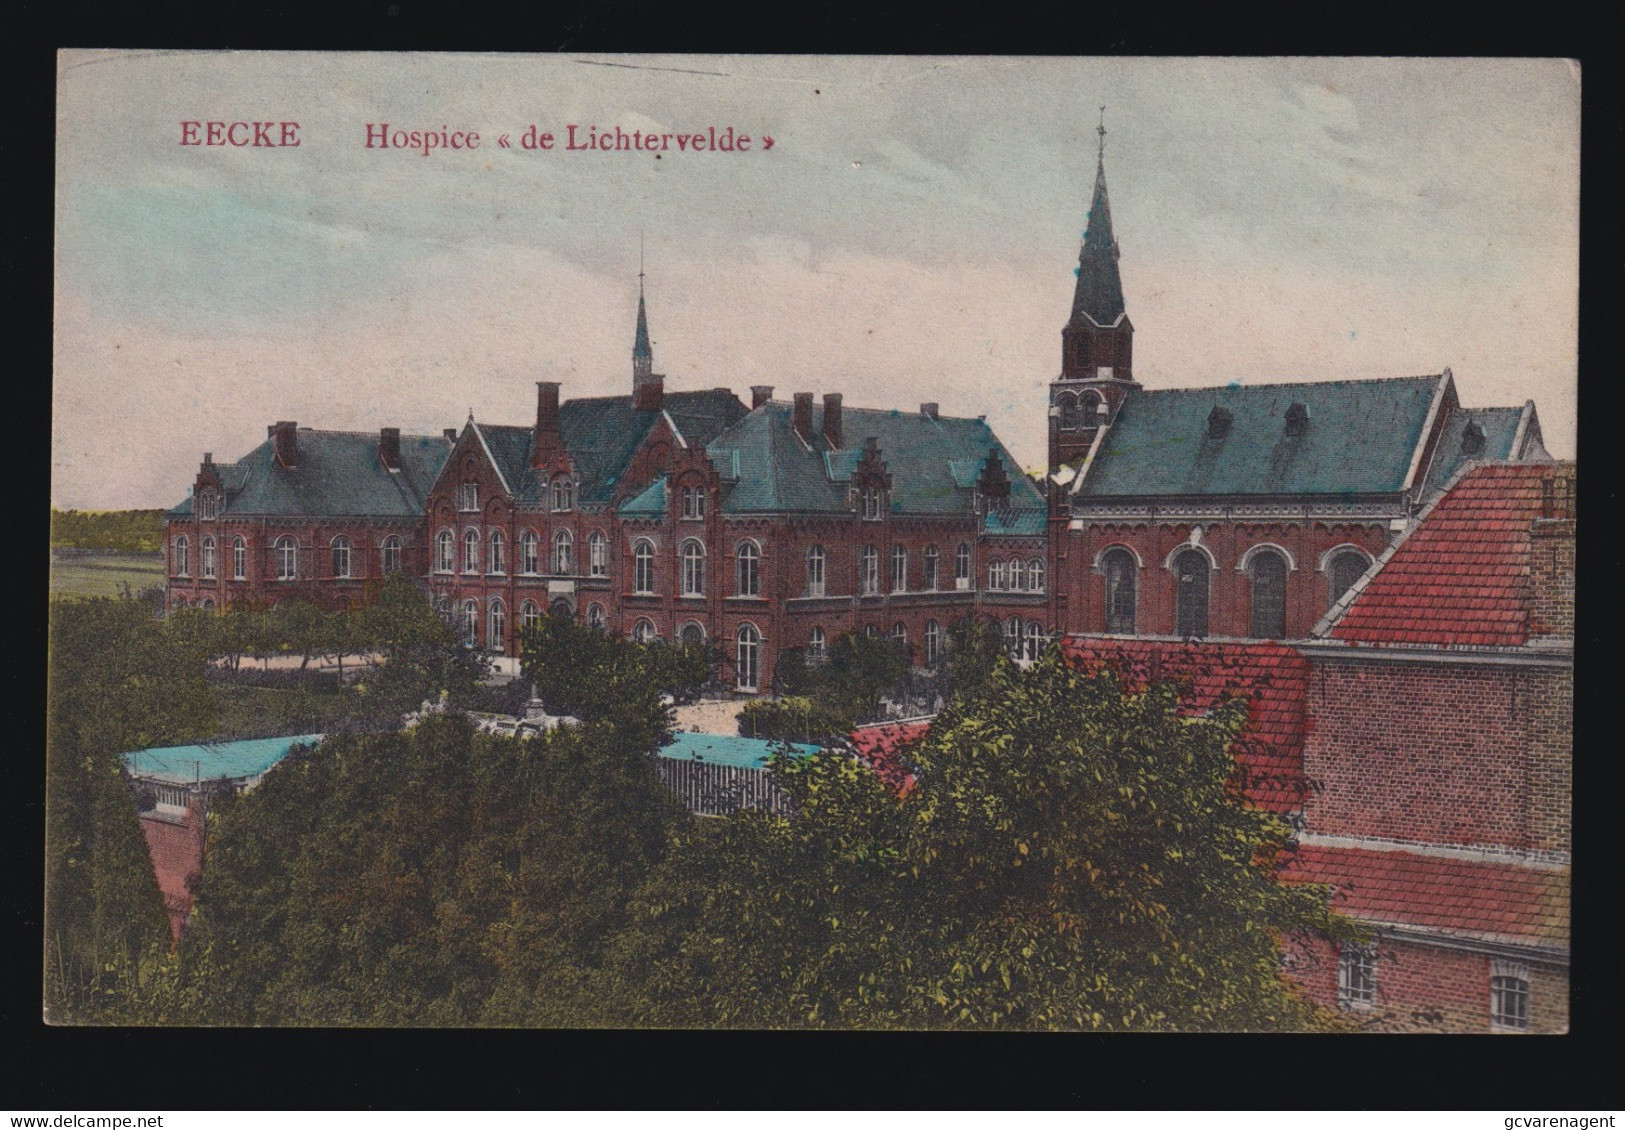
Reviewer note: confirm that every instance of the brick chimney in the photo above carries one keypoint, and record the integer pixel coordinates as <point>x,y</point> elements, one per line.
<point>450,434</point>
<point>650,393</point>
<point>285,434</point>
<point>1551,557</point>
<point>832,418</point>
<point>760,395</point>
<point>389,448</point>
<point>548,439</point>
<point>929,408</point>
<point>801,418</point>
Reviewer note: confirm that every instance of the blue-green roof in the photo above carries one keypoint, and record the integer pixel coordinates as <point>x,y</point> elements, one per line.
<point>1500,427</point>
<point>212,761</point>
<point>1360,438</point>
<point>726,749</point>
<point>651,501</point>
<point>337,474</point>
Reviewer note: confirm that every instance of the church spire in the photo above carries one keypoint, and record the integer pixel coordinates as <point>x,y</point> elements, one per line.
<point>643,357</point>
<point>1099,293</point>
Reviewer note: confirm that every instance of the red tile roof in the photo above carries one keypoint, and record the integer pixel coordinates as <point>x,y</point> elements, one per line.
<point>1274,677</point>
<point>1462,578</point>
<point>1465,897</point>
<point>882,747</point>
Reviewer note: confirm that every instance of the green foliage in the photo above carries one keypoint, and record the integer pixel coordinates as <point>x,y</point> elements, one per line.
<point>848,682</point>
<point>975,650</point>
<point>792,718</point>
<point>128,531</point>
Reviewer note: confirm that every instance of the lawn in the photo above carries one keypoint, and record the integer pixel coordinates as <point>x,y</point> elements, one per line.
<point>81,577</point>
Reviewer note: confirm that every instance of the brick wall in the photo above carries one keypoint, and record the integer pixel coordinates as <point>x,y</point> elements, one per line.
<point>1551,578</point>
<point>176,850</point>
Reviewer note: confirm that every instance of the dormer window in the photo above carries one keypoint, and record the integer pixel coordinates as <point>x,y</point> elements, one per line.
<point>1297,419</point>
<point>1218,422</point>
<point>871,503</point>
<point>561,494</point>
<point>468,497</point>
<point>208,506</point>
<point>1472,439</point>
<point>693,503</point>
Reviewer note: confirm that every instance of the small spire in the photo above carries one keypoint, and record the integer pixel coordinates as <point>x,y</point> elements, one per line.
<point>1101,155</point>
<point>642,352</point>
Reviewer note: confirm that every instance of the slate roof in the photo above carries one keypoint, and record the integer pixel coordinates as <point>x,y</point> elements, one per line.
<point>1487,901</point>
<point>1461,578</point>
<point>934,462</point>
<point>1269,751</point>
<point>1500,427</point>
<point>1359,439</point>
<point>338,474</point>
<point>1099,293</point>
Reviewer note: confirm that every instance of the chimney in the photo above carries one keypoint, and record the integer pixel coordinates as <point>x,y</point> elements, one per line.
<point>450,434</point>
<point>801,419</point>
<point>208,458</point>
<point>760,395</point>
<point>929,408</point>
<point>285,433</point>
<point>389,448</point>
<point>650,393</point>
<point>832,418</point>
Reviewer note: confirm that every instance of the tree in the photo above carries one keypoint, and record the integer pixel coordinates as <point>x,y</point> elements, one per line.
<point>975,649</point>
<point>421,656</point>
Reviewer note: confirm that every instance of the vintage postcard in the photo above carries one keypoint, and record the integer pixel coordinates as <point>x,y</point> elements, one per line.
<point>812,542</point>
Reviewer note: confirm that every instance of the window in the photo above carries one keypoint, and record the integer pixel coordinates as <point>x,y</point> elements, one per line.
<point>530,614</point>
<point>869,571</point>
<point>206,604</point>
<point>1018,575</point>
<point>693,555</point>
<point>1012,636</point>
<point>643,632</point>
<point>564,544</point>
<point>1268,572</point>
<point>815,571</point>
<point>1122,580</point>
<point>389,555</point>
<point>871,631</point>
<point>239,559</point>
<point>183,557</point>
<point>598,554</point>
<point>1509,996</point>
<point>691,635</point>
<point>496,623</point>
<point>530,553</point>
<point>1342,571</point>
<point>561,494</point>
<point>471,622</point>
<point>1068,404</point>
<point>693,502</point>
<point>1357,976</point>
<point>750,648</point>
<point>748,569</point>
<point>498,559</point>
<point>933,641</point>
<point>442,608</point>
<point>468,497</point>
<point>1190,597</point>
<point>1035,575</point>
<point>471,551</point>
<point>815,645</point>
<point>998,575</point>
<point>207,548</point>
<point>287,558</point>
<point>643,567</point>
<point>445,553</point>
<point>341,556</point>
<point>1093,409</point>
<point>930,564</point>
<point>1033,641</point>
<point>899,569</point>
<point>596,618</point>
<point>962,566</point>
<point>871,503</point>
<point>208,503</point>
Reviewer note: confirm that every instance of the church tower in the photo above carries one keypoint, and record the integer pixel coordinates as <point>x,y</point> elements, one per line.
<point>648,386</point>
<point>1097,345</point>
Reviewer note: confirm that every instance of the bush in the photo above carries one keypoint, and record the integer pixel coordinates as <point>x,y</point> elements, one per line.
<point>792,719</point>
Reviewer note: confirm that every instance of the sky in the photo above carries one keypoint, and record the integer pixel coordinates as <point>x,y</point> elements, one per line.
<point>909,237</point>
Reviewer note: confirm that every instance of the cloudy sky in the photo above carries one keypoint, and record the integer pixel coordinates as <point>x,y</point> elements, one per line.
<point>910,236</point>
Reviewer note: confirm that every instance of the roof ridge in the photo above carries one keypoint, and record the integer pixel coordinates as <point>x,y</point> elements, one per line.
<point>1237,385</point>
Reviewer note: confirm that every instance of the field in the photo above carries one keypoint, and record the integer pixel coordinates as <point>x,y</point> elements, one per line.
<point>80,577</point>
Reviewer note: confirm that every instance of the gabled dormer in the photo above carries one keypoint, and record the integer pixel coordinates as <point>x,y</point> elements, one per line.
<point>869,491</point>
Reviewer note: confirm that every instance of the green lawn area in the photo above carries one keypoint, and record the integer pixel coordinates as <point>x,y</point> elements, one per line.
<point>259,712</point>
<point>81,577</point>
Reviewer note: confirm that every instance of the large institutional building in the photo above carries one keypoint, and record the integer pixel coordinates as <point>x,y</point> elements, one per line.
<point>1387,572</point>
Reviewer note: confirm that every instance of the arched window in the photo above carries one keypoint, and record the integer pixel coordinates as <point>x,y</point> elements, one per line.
<point>183,557</point>
<point>691,635</point>
<point>561,494</point>
<point>287,558</point>
<point>871,503</point>
<point>1033,643</point>
<point>899,634</point>
<point>869,570</point>
<point>815,644</point>
<point>445,553</point>
<point>207,548</point>
<point>693,554</point>
<point>750,649</point>
<point>497,561</point>
<point>596,618</point>
<point>1268,570</point>
<point>1509,995</point>
<point>530,553</point>
<point>561,608</point>
<point>1345,567</point>
<point>693,502</point>
<point>471,551</point>
<point>239,559</point>
<point>643,631</point>
<point>341,556</point>
<point>1018,575</point>
<point>471,622</point>
<point>1190,598</point>
<point>1012,637</point>
<point>815,571</point>
<point>899,569</point>
<point>530,614</point>
<point>496,625</point>
<point>1068,404</point>
<point>389,555</point>
<point>1035,575</point>
<point>206,604</point>
<point>598,554</point>
<point>1092,407</point>
<point>998,575</point>
<point>643,567</point>
<point>1122,588</point>
<point>748,569</point>
<point>933,641</point>
<point>962,566</point>
<point>564,544</point>
<point>209,501</point>
<point>931,560</point>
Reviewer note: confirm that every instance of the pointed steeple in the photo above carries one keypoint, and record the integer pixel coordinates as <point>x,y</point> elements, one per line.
<point>643,356</point>
<point>1099,294</point>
